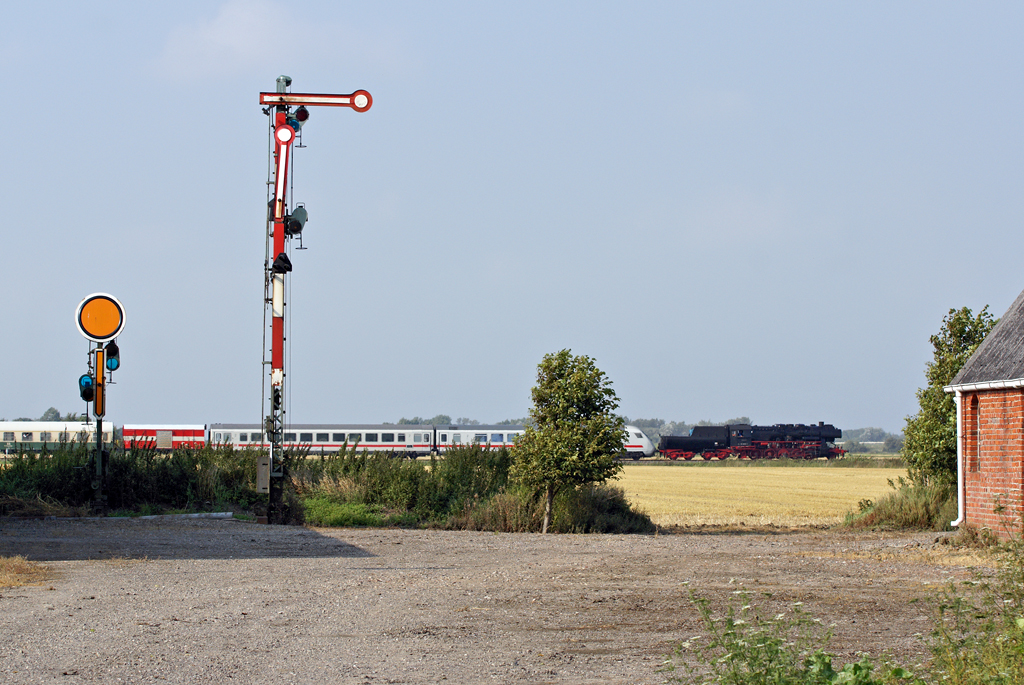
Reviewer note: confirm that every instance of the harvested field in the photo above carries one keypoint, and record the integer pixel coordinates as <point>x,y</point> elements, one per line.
<point>695,496</point>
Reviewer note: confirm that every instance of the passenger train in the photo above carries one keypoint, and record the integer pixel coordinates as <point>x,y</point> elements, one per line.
<point>31,436</point>
<point>400,439</point>
<point>410,440</point>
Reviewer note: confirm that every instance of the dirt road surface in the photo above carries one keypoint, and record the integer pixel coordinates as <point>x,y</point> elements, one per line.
<point>220,601</point>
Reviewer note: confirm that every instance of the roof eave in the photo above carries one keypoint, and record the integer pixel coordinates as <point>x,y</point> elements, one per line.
<point>987,385</point>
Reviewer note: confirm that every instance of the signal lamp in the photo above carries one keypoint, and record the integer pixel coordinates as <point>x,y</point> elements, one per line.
<point>113,356</point>
<point>282,264</point>
<point>302,114</point>
<point>275,398</point>
<point>294,222</point>
<point>86,387</point>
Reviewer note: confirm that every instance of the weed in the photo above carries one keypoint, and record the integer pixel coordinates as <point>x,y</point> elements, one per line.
<point>17,571</point>
<point>743,648</point>
<point>979,625</point>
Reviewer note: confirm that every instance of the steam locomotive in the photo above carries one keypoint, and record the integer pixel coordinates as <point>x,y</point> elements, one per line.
<point>781,441</point>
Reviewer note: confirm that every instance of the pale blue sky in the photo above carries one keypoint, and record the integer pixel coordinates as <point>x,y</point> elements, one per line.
<point>735,208</point>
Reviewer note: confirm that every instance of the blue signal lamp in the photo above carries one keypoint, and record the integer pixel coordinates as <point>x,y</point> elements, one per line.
<point>113,362</point>
<point>298,118</point>
<point>87,387</point>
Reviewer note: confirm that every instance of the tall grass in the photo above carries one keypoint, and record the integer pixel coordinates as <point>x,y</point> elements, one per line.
<point>923,507</point>
<point>467,489</point>
<point>59,481</point>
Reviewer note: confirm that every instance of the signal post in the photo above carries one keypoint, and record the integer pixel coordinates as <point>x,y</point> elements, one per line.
<point>100,319</point>
<point>284,222</point>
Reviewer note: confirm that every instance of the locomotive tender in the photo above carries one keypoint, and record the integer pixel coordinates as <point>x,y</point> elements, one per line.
<point>781,441</point>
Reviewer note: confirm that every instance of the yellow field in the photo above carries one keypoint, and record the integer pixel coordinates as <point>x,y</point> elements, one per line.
<point>751,496</point>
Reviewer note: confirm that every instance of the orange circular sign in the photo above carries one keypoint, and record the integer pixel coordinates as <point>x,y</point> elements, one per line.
<point>100,317</point>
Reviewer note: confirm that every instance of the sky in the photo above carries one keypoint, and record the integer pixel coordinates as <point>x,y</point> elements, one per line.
<point>742,208</point>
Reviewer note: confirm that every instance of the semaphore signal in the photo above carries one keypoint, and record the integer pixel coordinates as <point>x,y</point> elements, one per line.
<point>284,221</point>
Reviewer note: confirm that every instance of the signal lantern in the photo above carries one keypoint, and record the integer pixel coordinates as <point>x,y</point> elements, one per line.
<point>296,221</point>
<point>297,119</point>
<point>113,356</point>
<point>87,387</point>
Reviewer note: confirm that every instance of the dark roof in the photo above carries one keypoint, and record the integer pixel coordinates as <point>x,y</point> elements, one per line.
<point>1000,356</point>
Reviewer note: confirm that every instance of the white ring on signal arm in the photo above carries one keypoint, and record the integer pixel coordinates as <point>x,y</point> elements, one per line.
<point>360,100</point>
<point>284,133</point>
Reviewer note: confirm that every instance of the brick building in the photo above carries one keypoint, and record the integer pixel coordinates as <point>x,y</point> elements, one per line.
<point>989,392</point>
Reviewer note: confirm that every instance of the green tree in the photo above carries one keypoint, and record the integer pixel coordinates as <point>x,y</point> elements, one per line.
<point>892,444</point>
<point>929,446</point>
<point>50,414</point>
<point>575,434</point>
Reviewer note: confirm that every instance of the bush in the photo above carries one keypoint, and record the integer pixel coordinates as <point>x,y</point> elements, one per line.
<point>924,507</point>
<point>587,509</point>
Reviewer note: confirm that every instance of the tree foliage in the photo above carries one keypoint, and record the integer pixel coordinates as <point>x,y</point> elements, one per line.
<point>575,434</point>
<point>930,435</point>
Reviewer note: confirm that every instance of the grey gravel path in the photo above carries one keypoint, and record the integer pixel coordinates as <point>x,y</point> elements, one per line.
<point>215,601</point>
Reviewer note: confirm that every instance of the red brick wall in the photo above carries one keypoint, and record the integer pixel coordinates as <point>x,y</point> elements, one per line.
<point>993,451</point>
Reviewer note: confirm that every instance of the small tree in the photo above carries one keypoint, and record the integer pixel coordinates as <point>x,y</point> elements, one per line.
<point>575,436</point>
<point>50,414</point>
<point>929,446</point>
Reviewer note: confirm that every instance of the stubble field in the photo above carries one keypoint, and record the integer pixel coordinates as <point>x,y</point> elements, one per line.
<point>694,495</point>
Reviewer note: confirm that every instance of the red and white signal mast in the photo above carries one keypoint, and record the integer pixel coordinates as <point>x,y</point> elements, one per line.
<point>287,112</point>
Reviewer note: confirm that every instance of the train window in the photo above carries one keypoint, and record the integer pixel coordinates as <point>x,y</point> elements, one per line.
<point>417,437</point>
<point>65,437</point>
<point>323,437</point>
<point>371,437</point>
<point>305,437</point>
<point>638,436</point>
<point>354,437</point>
<point>83,436</point>
<point>443,437</point>
<point>289,437</point>
<point>26,437</point>
<point>339,437</point>
<point>45,437</point>
<point>217,437</point>
<point>480,438</point>
<point>243,437</point>
<point>456,438</point>
<point>497,437</point>
<point>255,437</point>
<point>9,436</point>
<point>401,437</point>
<point>387,437</point>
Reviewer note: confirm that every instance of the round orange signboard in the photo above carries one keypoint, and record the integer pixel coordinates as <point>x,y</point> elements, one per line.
<point>100,317</point>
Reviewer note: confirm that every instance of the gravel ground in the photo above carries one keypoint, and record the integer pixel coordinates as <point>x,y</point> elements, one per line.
<point>216,601</point>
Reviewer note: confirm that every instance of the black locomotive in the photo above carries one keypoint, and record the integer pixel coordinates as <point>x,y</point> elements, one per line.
<point>783,440</point>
